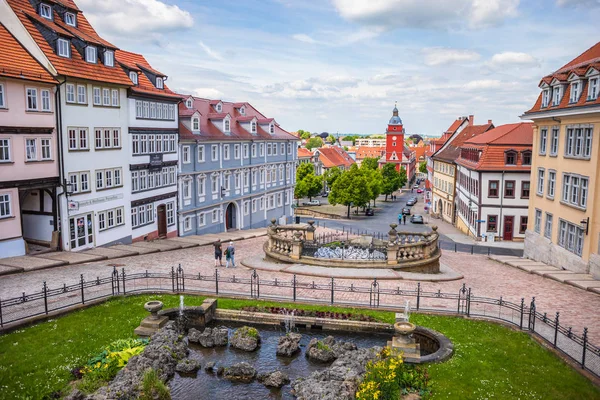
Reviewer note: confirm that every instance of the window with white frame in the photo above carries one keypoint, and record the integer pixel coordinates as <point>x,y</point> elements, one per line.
<point>236,179</point>
<point>70,93</point>
<point>160,83</point>
<point>215,215</point>
<point>575,190</point>
<point>246,207</point>
<point>109,58</point>
<point>63,48</point>
<point>262,203</point>
<point>262,149</point>
<point>254,180</point>
<point>111,218</point>
<point>91,55</point>
<point>46,105</point>
<point>201,183</point>
<point>201,219</point>
<point>225,152</point>
<point>187,189</point>
<point>253,128</point>
<point>540,181</point>
<point>80,182</point>
<point>78,139</point>
<point>253,205</point>
<point>538,220</point>
<point>226,180</point>
<point>45,11</point>
<point>554,141</point>
<point>107,138</point>
<point>133,76</point>
<point>81,94</point>
<point>2,96</point>
<point>5,155</point>
<point>545,97</point>
<point>97,96</point>
<point>245,151</point>
<point>226,125</point>
<point>219,107</point>
<point>115,97</point>
<point>105,97</point>
<point>187,224</point>
<point>269,149</point>
<point>548,226</point>
<point>543,140</point>
<point>274,149</point>
<point>32,99</point>
<point>214,152</point>
<point>551,183</point>
<point>214,183</point>
<point>575,91</point>
<point>5,209</point>
<point>571,237</point>
<point>196,124</point>
<point>189,103</point>
<point>236,151</point>
<point>30,149</point>
<point>253,149</point>
<point>109,178</point>
<point>185,151</point>
<point>170,213</point>
<point>271,129</point>
<point>279,199</point>
<point>593,88</point>
<point>282,145</point>
<point>578,143</point>
<point>557,91</point>
<point>200,153</point>
<point>246,179</point>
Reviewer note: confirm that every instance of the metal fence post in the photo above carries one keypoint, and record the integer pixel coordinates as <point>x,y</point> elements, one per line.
<point>472,249</point>
<point>532,315</point>
<point>469,303</point>
<point>418,294</point>
<point>82,298</point>
<point>332,284</point>
<point>180,271</point>
<point>522,307</point>
<point>123,273</point>
<point>173,279</point>
<point>294,285</point>
<point>216,281</point>
<point>46,297</point>
<point>1,321</point>
<point>556,328</point>
<point>585,340</point>
<point>455,247</point>
<point>462,291</point>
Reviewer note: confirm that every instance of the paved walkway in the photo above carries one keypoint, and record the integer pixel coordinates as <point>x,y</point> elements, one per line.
<point>578,308</point>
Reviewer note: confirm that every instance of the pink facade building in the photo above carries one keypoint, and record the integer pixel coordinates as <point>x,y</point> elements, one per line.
<point>28,150</point>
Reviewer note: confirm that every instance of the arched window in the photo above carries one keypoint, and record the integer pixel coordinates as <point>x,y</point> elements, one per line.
<point>189,103</point>
<point>226,125</point>
<point>526,157</point>
<point>253,127</point>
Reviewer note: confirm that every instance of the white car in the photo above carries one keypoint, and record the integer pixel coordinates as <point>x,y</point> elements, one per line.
<point>312,203</point>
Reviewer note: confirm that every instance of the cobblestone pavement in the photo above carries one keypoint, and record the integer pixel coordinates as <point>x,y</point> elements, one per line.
<point>488,278</point>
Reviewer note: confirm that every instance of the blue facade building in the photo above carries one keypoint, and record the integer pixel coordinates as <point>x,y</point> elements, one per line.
<point>236,168</point>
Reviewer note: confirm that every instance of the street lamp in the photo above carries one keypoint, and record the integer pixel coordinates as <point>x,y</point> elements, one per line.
<point>586,224</point>
<point>68,187</point>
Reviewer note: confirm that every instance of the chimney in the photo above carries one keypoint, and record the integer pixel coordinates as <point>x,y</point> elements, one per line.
<point>470,120</point>
<point>489,121</point>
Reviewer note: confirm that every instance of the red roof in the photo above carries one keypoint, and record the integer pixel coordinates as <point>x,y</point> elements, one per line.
<point>304,153</point>
<point>334,157</point>
<point>579,65</point>
<point>363,152</point>
<point>452,151</point>
<point>16,62</point>
<point>493,145</point>
<point>419,151</point>
<point>210,122</point>
<point>136,61</point>
<point>75,66</point>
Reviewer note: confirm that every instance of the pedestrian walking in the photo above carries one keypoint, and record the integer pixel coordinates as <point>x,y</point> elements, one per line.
<point>218,253</point>
<point>230,256</point>
<point>404,218</point>
<point>399,219</point>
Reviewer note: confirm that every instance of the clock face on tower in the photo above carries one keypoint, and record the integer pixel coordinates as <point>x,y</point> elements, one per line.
<point>393,137</point>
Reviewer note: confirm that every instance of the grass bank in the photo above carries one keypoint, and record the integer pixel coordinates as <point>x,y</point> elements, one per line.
<point>490,361</point>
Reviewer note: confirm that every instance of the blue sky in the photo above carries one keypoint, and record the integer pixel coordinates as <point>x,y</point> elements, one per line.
<point>339,65</point>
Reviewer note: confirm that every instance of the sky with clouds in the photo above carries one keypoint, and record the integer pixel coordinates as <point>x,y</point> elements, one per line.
<point>339,65</point>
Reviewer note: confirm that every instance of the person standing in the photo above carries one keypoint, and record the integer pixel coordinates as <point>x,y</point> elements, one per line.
<point>218,253</point>
<point>404,218</point>
<point>230,255</point>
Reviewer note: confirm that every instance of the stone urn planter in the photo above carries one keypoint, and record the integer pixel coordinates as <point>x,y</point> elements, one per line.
<point>153,307</point>
<point>404,329</point>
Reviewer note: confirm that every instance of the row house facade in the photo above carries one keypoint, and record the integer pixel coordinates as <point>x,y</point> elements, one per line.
<point>564,211</point>
<point>493,183</point>
<point>94,198</point>
<point>28,149</point>
<point>444,166</point>
<point>154,150</point>
<point>236,167</point>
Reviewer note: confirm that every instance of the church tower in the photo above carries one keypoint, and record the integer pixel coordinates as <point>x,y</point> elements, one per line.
<point>394,144</point>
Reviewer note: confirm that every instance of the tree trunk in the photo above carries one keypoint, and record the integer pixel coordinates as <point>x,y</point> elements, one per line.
<point>386,195</point>
<point>348,211</point>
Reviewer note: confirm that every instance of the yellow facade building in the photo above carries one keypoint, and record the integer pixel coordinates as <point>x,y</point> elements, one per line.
<point>564,206</point>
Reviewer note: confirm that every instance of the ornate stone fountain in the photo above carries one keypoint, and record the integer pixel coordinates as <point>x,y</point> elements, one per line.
<point>403,341</point>
<point>153,322</point>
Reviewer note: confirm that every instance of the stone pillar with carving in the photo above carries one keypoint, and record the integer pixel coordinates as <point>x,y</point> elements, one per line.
<point>272,231</point>
<point>392,246</point>
<point>310,231</point>
<point>432,238</point>
<point>296,246</point>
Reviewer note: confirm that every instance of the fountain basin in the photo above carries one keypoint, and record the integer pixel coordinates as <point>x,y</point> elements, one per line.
<point>153,307</point>
<point>404,328</point>
<point>195,316</point>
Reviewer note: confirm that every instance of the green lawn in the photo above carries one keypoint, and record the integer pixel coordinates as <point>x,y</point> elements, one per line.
<point>490,361</point>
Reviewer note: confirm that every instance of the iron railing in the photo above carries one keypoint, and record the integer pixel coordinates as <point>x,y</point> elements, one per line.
<point>523,315</point>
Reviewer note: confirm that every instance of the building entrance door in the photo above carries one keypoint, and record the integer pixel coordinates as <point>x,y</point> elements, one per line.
<point>508,228</point>
<point>161,212</point>
<point>230,220</point>
<point>81,232</point>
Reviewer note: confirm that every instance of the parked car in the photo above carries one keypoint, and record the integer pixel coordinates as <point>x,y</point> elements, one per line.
<point>411,202</point>
<point>369,212</point>
<point>419,190</point>
<point>312,203</point>
<point>415,186</point>
<point>416,219</point>
<point>405,211</point>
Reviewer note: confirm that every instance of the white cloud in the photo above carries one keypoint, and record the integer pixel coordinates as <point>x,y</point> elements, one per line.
<point>513,59</point>
<point>210,52</point>
<point>436,14</point>
<point>439,55</point>
<point>483,84</point>
<point>301,37</point>
<point>135,17</point>
<point>207,93</point>
<point>578,3</point>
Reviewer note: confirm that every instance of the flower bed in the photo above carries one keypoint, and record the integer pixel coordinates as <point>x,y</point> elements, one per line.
<point>311,313</point>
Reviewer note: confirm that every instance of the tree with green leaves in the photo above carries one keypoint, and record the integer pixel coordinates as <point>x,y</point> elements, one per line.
<point>314,142</point>
<point>331,139</point>
<point>303,170</point>
<point>351,189</point>
<point>370,163</point>
<point>331,175</point>
<point>305,135</point>
<point>390,179</point>
<point>375,181</point>
<point>307,184</point>
<point>423,167</point>
<point>403,176</point>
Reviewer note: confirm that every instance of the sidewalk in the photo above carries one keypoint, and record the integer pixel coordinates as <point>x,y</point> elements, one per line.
<point>15,265</point>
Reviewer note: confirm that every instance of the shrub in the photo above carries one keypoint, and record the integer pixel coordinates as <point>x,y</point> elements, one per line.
<point>388,377</point>
<point>153,388</point>
<point>322,346</point>
<point>247,331</point>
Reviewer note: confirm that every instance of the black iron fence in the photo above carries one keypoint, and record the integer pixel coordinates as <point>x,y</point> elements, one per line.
<point>523,315</point>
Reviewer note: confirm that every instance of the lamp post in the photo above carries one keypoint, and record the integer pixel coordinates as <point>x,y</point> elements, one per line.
<point>586,224</point>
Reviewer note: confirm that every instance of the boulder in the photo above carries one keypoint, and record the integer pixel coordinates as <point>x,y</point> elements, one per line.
<point>187,366</point>
<point>210,366</point>
<point>289,344</point>
<point>245,338</point>
<point>220,371</point>
<point>274,379</point>
<point>328,349</point>
<point>338,382</point>
<point>211,337</point>
<point>240,372</point>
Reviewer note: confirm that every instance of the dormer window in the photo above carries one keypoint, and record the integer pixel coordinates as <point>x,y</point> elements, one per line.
<point>243,110</point>
<point>195,124</point>
<point>557,96</point>
<point>526,157</point>
<point>593,89</point>
<point>109,58</point>
<point>511,158</point>
<point>272,128</point>
<point>189,103</point>
<point>46,11</point>
<point>133,76</point>
<point>70,19</point>
<point>219,107</point>
<point>545,97</point>
<point>575,91</point>
<point>253,127</point>
<point>63,48</point>
<point>226,126</point>
<point>159,82</point>
<point>91,54</point>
